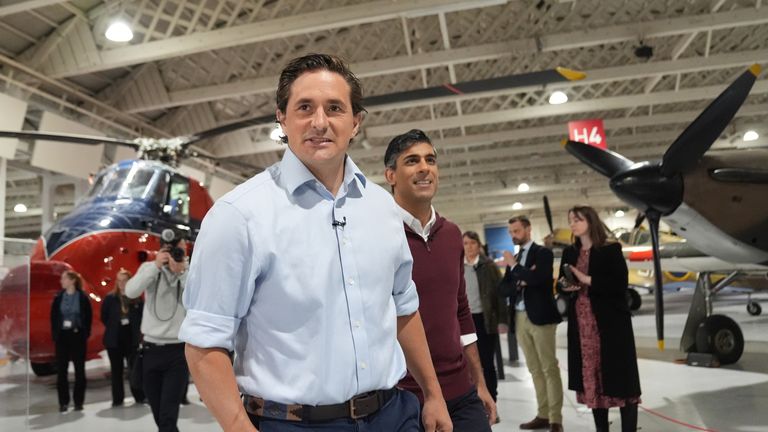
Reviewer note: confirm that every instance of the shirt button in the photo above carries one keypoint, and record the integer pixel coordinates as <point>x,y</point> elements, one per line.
<point>363,365</point>
<point>351,281</point>
<point>357,324</point>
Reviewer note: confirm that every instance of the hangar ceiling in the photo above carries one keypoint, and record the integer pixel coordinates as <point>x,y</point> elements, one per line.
<point>196,64</point>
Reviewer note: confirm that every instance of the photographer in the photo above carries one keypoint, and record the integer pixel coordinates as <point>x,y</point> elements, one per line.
<point>165,368</point>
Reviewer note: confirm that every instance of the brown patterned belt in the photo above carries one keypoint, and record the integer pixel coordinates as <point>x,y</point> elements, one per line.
<point>358,407</point>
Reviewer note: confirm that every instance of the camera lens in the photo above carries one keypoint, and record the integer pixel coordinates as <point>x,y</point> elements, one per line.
<point>177,254</point>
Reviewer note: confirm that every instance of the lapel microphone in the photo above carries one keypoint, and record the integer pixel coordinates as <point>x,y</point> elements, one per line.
<point>342,223</point>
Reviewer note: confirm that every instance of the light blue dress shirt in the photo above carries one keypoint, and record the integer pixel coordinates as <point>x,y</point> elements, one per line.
<point>311,309</point>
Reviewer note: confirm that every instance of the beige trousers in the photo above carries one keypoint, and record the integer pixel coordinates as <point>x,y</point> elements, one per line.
<point>538,345</point>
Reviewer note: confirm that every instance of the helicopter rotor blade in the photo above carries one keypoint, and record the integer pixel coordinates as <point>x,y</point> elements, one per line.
<point>68,138</point>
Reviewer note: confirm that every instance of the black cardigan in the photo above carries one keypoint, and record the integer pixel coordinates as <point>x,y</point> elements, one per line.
<point>110,316</point>
<point>607,294</point>
<point>86,315</point>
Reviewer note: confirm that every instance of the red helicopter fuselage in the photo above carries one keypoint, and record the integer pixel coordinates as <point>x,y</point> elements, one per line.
<point>116,227</point>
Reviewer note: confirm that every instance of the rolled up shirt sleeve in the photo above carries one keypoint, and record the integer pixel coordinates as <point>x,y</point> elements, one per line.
<point>404,289</point>
<point>221,279</point>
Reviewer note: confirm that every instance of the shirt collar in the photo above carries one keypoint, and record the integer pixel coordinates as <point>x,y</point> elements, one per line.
<point>526,246</point>
<point>415,224</point>
<point>473,262</point>
<point>296,174</point>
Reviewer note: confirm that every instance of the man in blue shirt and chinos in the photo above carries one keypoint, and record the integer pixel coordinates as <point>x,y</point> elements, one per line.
<point>305,273</point>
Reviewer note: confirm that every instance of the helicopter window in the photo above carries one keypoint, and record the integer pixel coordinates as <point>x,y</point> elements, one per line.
<point>178,199</point>
<point>97,185</point>
<point>161,188</point>
<point>128,182</point>
<point>113,181</point>
<point>137,183</point>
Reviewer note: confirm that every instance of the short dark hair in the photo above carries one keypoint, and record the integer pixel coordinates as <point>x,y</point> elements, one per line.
<point>310,63</point>
<point>402,143</point>
<point>522,219</point>
<point>473,235</point>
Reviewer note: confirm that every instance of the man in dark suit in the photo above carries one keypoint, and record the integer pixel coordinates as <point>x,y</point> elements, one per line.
<point>529,285</point>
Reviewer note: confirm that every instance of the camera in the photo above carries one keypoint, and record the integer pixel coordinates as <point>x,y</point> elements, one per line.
<point>169,240</point>
<point>568,274</point>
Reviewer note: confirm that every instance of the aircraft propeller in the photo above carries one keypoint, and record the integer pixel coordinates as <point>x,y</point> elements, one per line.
<point>656,188</point>
<point>548,214</point>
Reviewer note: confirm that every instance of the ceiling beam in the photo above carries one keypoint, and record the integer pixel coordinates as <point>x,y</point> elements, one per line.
<point>241,147</point>
<point>262,31</point>
<point>469,193</point>
<point>633,148</point>
<point>486,52</point>
<point>600,104</point>
<point>526,151</point>
<point>469,141</point>
<point>561,202</point>
<point>27,5</point>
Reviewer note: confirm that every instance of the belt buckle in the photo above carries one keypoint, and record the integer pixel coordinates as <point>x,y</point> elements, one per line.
<point>353,410</point>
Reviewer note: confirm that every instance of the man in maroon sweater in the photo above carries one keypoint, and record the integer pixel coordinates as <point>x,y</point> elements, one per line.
<point>438,271</point>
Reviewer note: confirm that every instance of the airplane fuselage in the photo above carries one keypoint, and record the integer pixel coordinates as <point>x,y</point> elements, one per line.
<point>725,219</point>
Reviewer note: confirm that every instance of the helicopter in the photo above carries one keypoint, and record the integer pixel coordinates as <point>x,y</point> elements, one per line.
<point>119,223</point>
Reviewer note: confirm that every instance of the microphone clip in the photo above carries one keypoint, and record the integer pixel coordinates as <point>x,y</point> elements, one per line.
<point>342,223</point>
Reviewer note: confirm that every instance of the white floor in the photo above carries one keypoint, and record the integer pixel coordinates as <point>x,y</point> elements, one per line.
<point>732,398</point>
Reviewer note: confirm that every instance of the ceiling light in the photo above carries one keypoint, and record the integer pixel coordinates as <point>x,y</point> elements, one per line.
<point>557,98</point>
<point>517,206</point>
<point>276,134</point>
<point>20,208</point>
<point>523,187</point>
<point>751,135</point>
<point>619,213</point>
<point>119,31</point>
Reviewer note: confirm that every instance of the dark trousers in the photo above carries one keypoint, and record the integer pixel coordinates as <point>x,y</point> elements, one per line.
<point>165,375</point>
<point>486,348</point>
<point>628,418</point>
<point>400,414</point>
<point>70,346</point>
<point>468,413</point>
<point>118,356</point>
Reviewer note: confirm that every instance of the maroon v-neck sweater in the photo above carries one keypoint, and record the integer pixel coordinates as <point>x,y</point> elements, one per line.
<point>438,271</point>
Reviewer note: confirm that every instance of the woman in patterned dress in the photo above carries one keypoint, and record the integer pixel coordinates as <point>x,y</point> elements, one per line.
<point>602,361</point>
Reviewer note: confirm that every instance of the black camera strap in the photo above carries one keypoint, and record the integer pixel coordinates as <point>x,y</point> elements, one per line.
<point>154,297</point>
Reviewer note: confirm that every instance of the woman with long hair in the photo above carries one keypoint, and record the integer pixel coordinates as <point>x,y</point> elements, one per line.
<point>71,316</point>
<point>122,334</point>
<point>602,361</point>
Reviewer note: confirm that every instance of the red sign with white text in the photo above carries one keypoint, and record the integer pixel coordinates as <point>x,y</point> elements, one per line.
<point>589,132</point>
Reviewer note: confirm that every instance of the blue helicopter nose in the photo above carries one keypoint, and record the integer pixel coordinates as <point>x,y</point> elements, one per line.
<point>99,215</point>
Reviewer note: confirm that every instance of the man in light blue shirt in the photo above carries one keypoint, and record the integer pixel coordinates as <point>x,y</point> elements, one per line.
<point>304,272</point>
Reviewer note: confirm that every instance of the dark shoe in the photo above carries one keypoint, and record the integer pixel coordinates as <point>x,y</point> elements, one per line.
<point>117,404</point>
<point>536,423</point>
<point>62,408</point>
<point>78,407</point>
<point>555,427</point>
